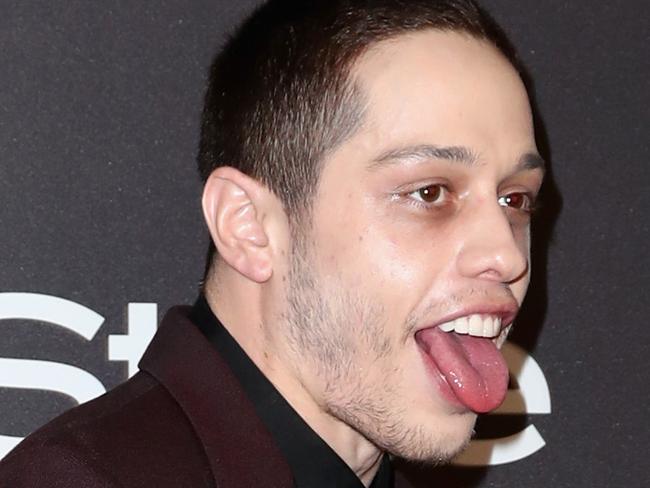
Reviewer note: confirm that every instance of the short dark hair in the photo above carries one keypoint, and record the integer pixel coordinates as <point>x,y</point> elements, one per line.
<point>280,94</point>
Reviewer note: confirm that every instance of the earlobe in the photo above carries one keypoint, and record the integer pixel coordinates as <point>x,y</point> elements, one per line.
<point>233,209</point>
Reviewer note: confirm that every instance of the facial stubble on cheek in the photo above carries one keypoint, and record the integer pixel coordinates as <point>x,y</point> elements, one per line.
<point>339,338</point>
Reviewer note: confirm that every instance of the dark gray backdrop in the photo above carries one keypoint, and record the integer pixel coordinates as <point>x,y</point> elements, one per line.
<point>99,109</point>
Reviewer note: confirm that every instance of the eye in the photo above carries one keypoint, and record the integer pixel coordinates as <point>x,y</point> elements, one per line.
<point>517,201</point>
<point>430,194</point>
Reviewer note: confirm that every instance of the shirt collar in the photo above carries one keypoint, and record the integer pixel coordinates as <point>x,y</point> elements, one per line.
<point>312,461</point>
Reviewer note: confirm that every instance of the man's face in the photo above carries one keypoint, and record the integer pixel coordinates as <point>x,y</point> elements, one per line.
<point>421,219</point>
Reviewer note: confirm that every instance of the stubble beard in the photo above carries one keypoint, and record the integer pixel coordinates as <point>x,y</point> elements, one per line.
<point>340,337</point>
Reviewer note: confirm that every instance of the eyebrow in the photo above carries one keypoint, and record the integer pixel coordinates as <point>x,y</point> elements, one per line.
<point>531,160</point>
<point>454,154</point>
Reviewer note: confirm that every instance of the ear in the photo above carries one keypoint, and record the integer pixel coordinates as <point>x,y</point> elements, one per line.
<point>233,207</point>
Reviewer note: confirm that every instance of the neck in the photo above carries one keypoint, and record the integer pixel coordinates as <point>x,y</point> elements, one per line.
<point>361,455</point>
<point>243,323</point>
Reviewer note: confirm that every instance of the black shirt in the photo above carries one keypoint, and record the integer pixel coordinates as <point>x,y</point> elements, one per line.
<point>312,461</point>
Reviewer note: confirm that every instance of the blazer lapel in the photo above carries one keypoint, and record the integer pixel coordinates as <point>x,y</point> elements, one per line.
<point>239,448</point>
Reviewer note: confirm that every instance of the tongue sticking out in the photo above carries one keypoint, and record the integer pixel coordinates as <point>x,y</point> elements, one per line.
<point>472,366</point>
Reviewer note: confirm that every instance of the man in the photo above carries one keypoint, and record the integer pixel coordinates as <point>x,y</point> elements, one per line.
<point>370,170</point>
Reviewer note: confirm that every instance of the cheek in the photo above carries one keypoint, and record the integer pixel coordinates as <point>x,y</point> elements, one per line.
<point>398,257</point>
<point>384,252</point>
<point>522,239</point>
<point>416,250</point>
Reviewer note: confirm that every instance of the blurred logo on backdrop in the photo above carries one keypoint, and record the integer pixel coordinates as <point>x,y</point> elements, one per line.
<point>530,394</point>
<point>73,381</point>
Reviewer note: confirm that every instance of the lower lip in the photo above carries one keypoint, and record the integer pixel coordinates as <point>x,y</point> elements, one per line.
<point>440,382</point>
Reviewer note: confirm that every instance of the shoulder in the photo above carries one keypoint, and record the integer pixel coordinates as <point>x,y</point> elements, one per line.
<point>135,435</point>
<point>52,465</point>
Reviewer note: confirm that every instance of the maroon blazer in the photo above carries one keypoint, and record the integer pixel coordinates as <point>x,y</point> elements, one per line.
<point>182,421</point>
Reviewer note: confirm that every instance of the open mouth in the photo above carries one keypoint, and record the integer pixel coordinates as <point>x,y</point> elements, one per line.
<point>464,352</point>
<point>479,325</point>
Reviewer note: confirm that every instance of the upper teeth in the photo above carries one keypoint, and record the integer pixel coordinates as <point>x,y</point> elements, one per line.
<point>474,325</point>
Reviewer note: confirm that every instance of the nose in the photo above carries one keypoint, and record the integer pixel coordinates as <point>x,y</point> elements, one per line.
<point>492,249</point>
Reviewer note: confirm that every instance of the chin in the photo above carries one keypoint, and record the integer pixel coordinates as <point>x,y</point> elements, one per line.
<point>437,441</point>
<point>430,438</point>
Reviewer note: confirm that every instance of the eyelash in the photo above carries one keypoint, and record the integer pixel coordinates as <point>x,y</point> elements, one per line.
<point>529,208</point>
<point>421,202</point>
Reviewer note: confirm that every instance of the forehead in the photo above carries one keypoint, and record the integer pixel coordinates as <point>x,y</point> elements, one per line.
<point>443,88</point>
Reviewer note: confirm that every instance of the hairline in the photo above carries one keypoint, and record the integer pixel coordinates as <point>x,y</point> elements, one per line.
<point>303,214</point>
<point>357,89</point>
